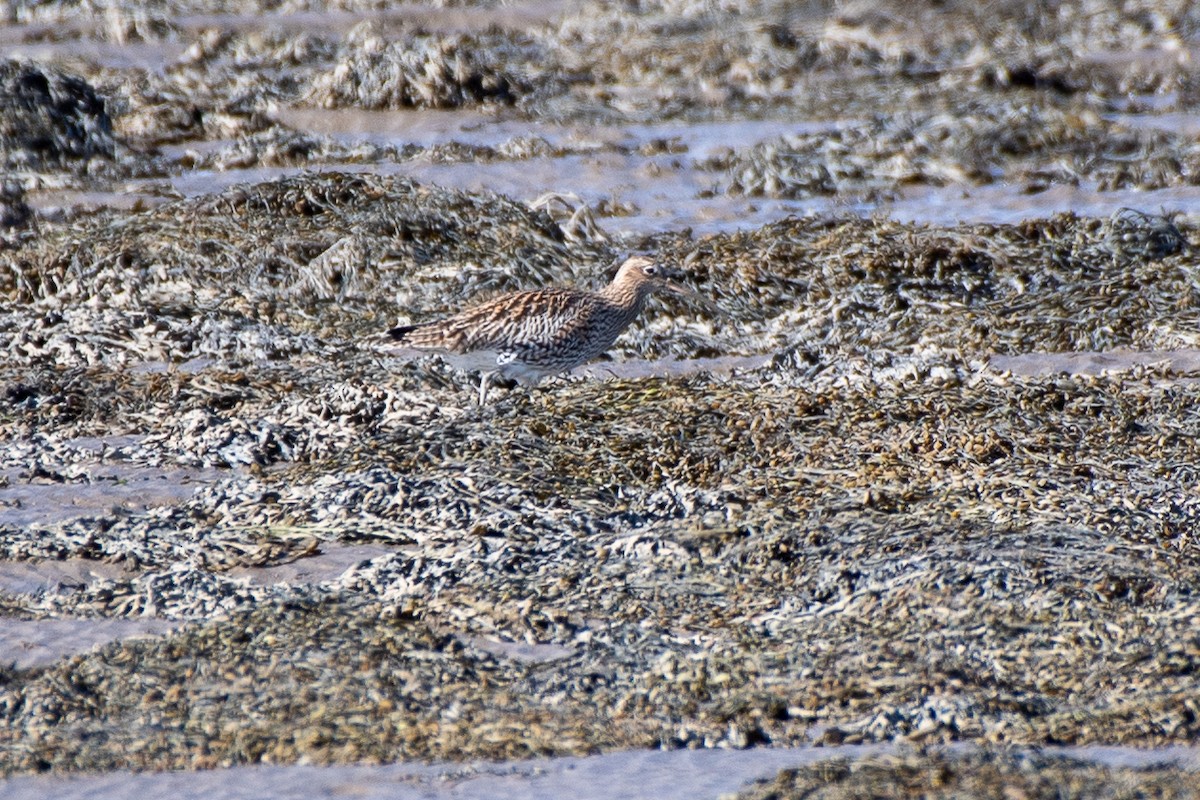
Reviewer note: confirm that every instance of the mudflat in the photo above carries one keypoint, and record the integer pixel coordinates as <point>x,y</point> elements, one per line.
<point>920,470</point>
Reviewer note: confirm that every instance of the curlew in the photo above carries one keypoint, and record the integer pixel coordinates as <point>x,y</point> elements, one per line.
<point>529,335</point>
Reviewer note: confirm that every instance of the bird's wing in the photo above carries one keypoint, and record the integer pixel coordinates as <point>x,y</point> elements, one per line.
<point>524,319</point>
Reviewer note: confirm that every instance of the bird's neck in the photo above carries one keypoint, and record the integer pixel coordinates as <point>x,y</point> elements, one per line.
<point>628,299</point>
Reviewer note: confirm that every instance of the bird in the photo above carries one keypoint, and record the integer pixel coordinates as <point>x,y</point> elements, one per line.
<point>529,335</point>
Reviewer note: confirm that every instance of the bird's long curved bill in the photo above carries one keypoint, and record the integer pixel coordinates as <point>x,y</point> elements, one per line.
<point>677,289</point>
<point>693,296</point>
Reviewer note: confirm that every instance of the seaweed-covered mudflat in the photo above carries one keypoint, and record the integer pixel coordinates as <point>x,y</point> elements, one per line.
<point>920,483</point>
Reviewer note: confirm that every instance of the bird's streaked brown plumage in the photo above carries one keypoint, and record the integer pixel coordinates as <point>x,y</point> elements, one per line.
<point>529,335</point>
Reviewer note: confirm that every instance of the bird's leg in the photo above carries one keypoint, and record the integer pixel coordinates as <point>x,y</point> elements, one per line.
<point>484,380</point>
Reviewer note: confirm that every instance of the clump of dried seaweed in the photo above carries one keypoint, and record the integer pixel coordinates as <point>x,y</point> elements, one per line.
<point>384,703</point>
<point>116,22</point>
<point>937,774</point>
<point>198,277</point>
<point>50,119</point>
<point>15,213</point>
<point>251,274</point>
<point>980,143</point>
<point>708,556</point>
<point>662,60</point>
<point>428,73</point>
<point>1065,283</point>
<point>279,147</point>
<point>873,538</point>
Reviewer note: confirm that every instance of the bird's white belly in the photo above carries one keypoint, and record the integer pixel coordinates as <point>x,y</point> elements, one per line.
<point>499,362</point>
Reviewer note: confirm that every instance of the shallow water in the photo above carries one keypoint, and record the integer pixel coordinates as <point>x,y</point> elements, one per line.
<point>606,169</point>
<point>96,483</point>
<point>37,643</point>
<point>663,189</point>
<point>33,643</point>
<point>96,489</point>
<point>631,775</point>
<point>1180,361</point>
<point>1007,204</point>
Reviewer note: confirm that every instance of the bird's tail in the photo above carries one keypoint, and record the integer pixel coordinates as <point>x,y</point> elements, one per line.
<point>391,341</point>
<point>400,332</point>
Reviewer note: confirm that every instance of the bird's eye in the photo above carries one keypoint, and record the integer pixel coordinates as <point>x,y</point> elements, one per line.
<point>650,270</point>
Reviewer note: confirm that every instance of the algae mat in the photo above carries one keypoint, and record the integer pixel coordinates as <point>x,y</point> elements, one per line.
<point>871,535</point>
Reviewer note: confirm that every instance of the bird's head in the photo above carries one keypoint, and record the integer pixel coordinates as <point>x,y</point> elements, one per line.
<point>645,276</point>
